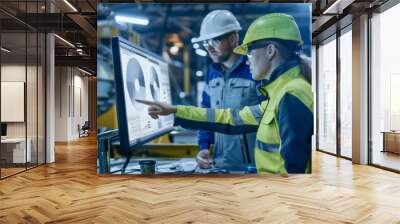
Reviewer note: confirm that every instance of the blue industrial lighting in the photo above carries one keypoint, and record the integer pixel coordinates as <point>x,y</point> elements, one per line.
<point>143,21</point>
<point>182,95</point>
<point>201,52</point>
<point>174,50</point>
<point>199,73</point>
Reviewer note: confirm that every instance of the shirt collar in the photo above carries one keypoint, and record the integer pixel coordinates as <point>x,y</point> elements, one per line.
<point>240,62</point>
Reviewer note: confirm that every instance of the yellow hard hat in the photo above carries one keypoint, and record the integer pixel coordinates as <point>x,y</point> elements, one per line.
<point>274,25</point>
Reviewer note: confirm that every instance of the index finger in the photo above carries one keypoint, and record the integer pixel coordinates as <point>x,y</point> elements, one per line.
<point>150,103</point>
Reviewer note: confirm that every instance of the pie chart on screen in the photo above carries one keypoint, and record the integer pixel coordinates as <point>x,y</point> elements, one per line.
<point>135,83</point>
<point>154,84</point>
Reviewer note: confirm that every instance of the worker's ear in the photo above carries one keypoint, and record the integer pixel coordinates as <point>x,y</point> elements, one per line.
<point>233,39</point>
<point>271,51</point>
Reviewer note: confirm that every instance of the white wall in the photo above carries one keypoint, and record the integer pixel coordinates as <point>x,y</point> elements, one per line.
<point>13,101</point>
<point>71,94</point>
<point>81,94</point>
<point>33,126</point>
<point>61,103</point>
<point>13,73</point>
<point>16,73</point>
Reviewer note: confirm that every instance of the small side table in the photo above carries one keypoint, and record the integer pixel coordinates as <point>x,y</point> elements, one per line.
<point>391,141</point>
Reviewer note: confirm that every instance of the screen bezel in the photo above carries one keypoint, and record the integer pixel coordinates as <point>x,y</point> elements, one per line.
<point>126,146</point>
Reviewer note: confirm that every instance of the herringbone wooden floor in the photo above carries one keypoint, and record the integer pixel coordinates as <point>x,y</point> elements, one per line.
<point>70,191</point>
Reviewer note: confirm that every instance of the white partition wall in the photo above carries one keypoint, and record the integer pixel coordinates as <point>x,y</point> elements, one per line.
<point>22,90</point>
<point>13,86</point>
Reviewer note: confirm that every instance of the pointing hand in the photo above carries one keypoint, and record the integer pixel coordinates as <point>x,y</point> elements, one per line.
<point>157,108</point>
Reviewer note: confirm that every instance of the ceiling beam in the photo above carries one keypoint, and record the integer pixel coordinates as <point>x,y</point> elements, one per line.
<point>82,61</point>
<point>89,30</point>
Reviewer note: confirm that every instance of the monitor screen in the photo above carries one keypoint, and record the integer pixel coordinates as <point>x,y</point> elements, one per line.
<point>3,129</point>
<point>139,74</point>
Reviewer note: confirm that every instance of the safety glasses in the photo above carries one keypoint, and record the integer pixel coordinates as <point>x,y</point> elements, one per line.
<point>214,42</point>
<point>256,45</point>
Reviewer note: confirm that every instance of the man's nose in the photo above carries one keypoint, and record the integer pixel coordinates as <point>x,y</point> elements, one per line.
<point>210,48</point>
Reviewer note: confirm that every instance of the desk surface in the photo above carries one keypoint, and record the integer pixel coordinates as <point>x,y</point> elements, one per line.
<point>167,166</point>
<point>390,132</point>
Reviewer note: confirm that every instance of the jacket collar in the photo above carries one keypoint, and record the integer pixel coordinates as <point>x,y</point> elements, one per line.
<point>239,63</point>
<point>278,77</point>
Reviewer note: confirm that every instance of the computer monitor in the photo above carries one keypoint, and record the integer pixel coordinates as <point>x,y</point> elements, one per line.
<point>3,129</point>
<point>139,74</point>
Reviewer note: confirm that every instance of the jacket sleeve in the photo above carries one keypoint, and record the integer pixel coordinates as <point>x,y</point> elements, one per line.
<point>228,121</point>
<point>295,122</point>
<point>205,138</point>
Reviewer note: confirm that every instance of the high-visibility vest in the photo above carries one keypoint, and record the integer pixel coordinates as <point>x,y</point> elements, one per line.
<point>261,118</point>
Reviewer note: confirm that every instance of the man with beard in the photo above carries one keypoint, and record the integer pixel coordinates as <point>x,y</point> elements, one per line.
<point>228,85</point>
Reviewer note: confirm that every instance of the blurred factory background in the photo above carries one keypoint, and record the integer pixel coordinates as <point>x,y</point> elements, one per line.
<point>167,30</point>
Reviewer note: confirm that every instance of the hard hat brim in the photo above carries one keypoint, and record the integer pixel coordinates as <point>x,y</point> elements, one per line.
<point>241,49</point>
<point>211,36</point>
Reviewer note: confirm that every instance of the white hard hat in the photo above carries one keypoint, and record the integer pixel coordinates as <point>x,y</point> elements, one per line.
<point>217,23</point>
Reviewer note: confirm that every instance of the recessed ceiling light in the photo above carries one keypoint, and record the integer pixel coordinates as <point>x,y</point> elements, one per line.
<point>199,73</point>
<point>132,19</point>
<point>64,40</point>
<point>84,71</point>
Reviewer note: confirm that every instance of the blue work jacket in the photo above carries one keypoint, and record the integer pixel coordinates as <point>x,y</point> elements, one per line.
<point>234,89</point>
